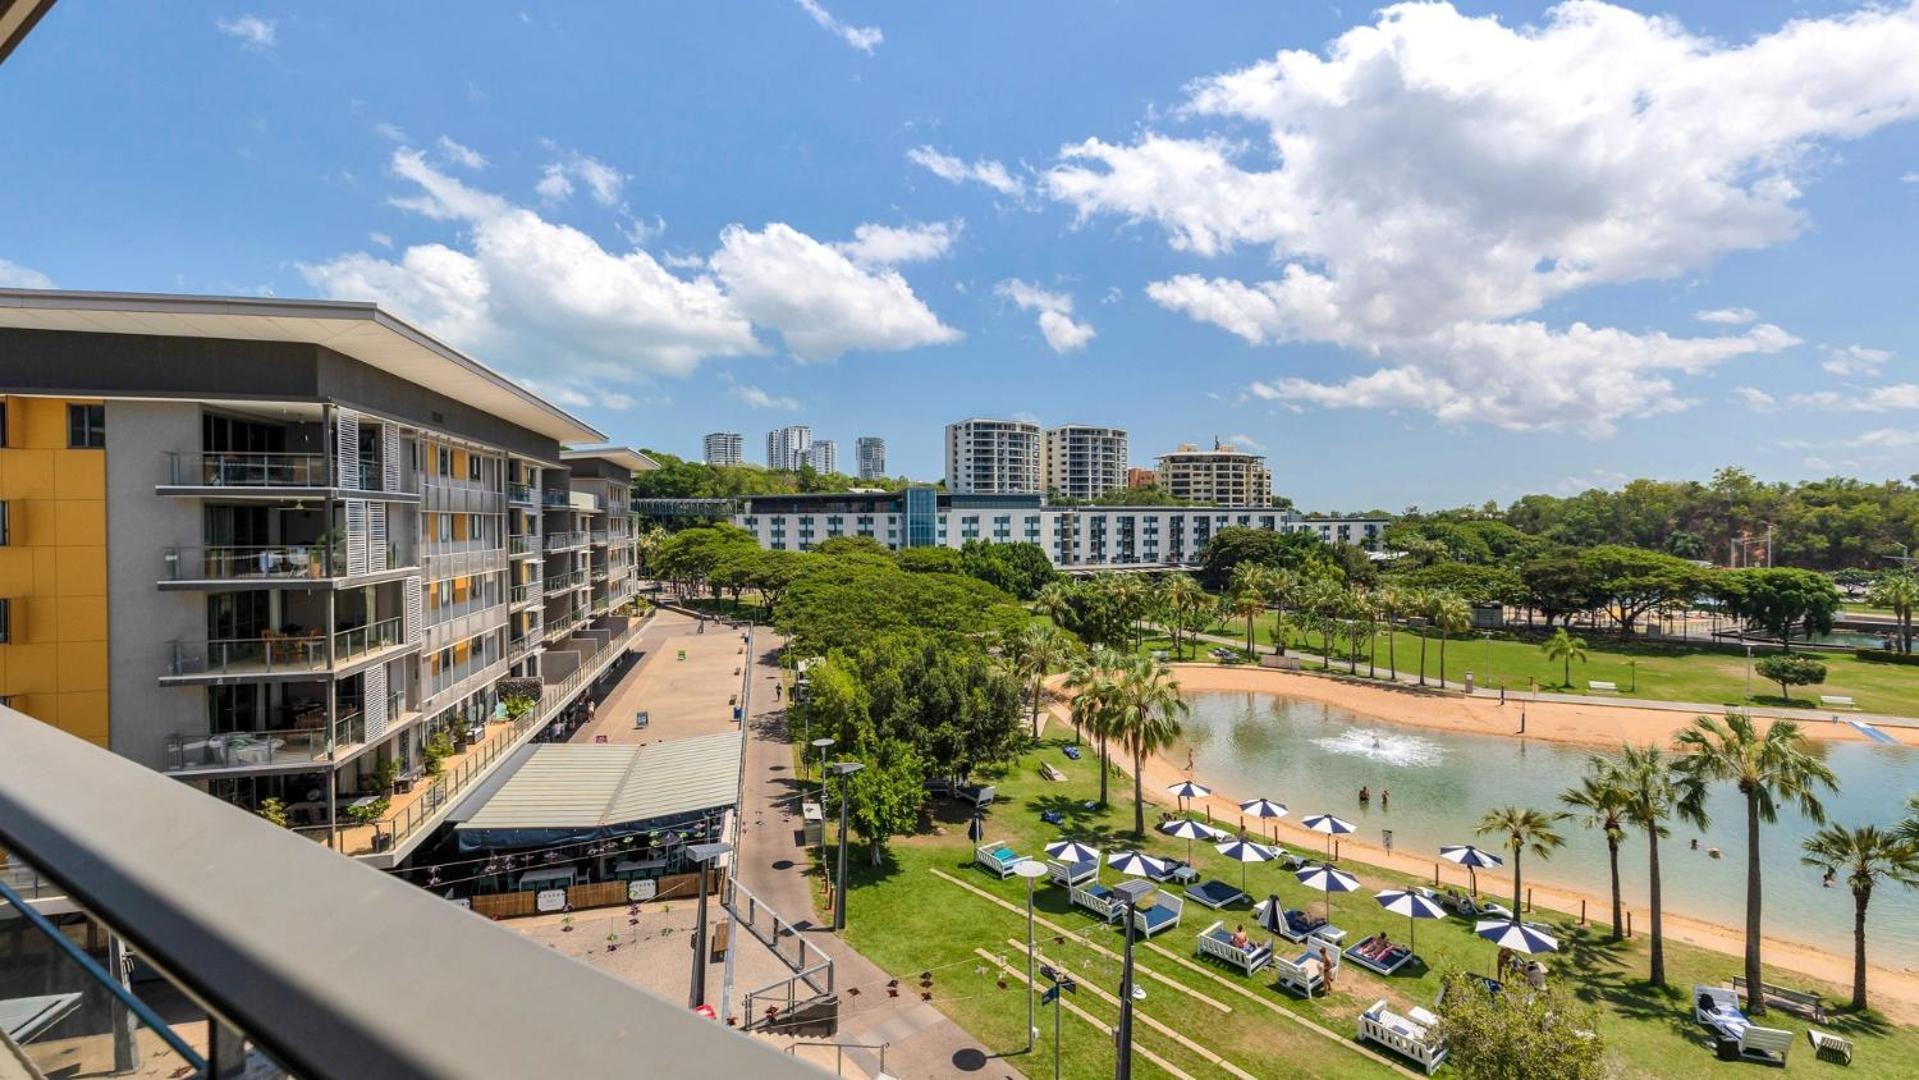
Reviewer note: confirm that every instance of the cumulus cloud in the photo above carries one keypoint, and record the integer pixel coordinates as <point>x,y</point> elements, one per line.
<point>822,303</point>
<point>1063,335</point>
<point>760,399</point>
<point>251,30</point>
<point>559,178</point>
<point>888,245</point>
<point>15,276</point>
<point>455,154</point>
<point>1890,398</point>
<point>954,170</point>
<point>863,38</point>
<point>1854,360</point>
<point>1245,442</point>
<point>549,300</point>
<point>1727,316</point>
<point>1432,179</point>
<point>1755,399</point>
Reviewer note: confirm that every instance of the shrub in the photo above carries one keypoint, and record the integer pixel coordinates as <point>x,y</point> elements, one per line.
<point>1790,670</point>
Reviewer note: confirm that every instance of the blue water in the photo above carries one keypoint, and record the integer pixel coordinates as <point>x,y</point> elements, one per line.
<point>1315,757</point>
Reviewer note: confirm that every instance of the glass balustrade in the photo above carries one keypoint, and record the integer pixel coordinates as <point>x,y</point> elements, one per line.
<point>234,469</point>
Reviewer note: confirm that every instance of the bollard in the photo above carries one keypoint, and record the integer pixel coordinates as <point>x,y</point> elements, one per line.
<point>1582,911</point>
<point>1529,899</point>
<point>1628,924</point>
<point>1435,875</point>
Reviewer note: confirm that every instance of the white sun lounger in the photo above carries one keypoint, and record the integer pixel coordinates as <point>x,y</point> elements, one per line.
<point>1717,1007</point>
<point>1217,942</point>
<point>1070,874</point>
<point>1163,915</point>
<point>1601,686</point>
<point>1400,1034</point>
<point>1099,900</point>
<point>997,857</point>
<point>1826,1044</point>
<point>1301,976</point>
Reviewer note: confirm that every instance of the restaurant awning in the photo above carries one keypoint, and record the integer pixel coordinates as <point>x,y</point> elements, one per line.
<point>567,791</point>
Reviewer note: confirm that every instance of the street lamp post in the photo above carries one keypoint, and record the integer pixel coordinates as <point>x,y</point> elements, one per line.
<point>1131,892</point>
<point>822,744</point>
<point>1030,869</point>
<point>844,770</point>
<point>702,854</point>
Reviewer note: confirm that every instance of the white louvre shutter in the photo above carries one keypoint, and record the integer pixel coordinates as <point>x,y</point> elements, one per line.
<point>373,701</point>
<point>356,537</point>
<point>376,537</point>
<point>410,624</point>
<point>390,456</point>
<point>347,450</point>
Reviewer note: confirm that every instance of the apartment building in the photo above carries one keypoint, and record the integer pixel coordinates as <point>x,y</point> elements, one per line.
<point>823,456</point>
<point>1074,537</point>
<point>993,457</point>
<point>786,447</point>
<point>871,451</point>
<point>1083,462</point>
<point>289,550</point>
<point>1142,478</point>
<point>1222,476</point>
<point>724,448</point>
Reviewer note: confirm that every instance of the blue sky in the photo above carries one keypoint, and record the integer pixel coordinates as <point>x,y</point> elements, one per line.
<point>1427,255</point>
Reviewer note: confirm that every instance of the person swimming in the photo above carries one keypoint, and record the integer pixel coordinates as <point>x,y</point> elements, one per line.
<point>1365,796</point>
<point>1385,798</point>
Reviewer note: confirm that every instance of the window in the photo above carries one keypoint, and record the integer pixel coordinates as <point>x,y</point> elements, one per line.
<point>6,532</point>
<point>6,621</point>
<point>473,467</point>
<point>446,460</point>
<point>86,427</point>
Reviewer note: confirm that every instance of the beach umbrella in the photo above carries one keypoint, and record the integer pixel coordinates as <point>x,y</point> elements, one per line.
<point>1413,906</point>
<point>1517,936</point>
<point>1261,808</point>
<point>1188,830</point>
<point>1329,881</point>
<point>1269,914</point>
<point>1136,864</point>
<point>1328,824</point>
<point>1471,858</point>
<point>1071,851</point>
<point>1242,853</point>
<point>1186,789</point>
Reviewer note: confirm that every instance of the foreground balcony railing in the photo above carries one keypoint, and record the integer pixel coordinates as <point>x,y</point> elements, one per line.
<point>522,545</point>
<point>247,922</point>
<point>282,654</point>
<point>560,541</point>
<point>553,497</point>
<point>272,747</point>
<point>222,469</point>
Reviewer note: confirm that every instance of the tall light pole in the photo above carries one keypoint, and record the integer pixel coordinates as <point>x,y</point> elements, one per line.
<point>1061,984</point>
<point>702,854</point>
<point>1030,869</point>
<point>1131,892</point>
<point>844,770</point>
<point>822,744</point>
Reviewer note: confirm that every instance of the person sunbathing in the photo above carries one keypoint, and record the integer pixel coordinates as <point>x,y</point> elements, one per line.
<point>1239,939</point>
<point>1376,948</point>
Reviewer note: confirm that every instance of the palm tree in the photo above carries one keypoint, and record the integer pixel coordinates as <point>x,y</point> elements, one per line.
<point>1279,585</point>
<point>1767,769</point>
<point>1091,682</point>
<point>1899,591</point>
<point>1246,601</point>
<point>1129,596</point>
<point>1145,713</point>
<point>1452,615</point>
<point>1391,600</point>
<point>1419,602</point>
<point>1909,828</point>
<point>1867,855</point>
<point>1525,829</point>
<point>1055,599</point>
<point>1651,786</point>
<point>1599,801</point>
<point>1045,647</point>
<point>1565,648</point>
<point>1320,601</point>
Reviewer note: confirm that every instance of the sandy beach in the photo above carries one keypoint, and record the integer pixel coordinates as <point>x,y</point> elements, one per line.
<point>1895,991</point>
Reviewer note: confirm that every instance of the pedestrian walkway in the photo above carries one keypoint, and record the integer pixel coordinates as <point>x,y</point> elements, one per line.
<point>920,1040</point>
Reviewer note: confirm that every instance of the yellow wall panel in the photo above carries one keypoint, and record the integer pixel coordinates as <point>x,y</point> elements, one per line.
<point>37,620</point>
<point>37,524</point>
<point>79,522</point>
<point>80,618</point>
<point>84,714</point>
<point>82,571</point>
<point>31,668</point>
<point>83,665</point>
<point>80,474</point>
<point>16,571</point>
<point>29,474</point>
<point>46,570</point>
<point>46,424</point>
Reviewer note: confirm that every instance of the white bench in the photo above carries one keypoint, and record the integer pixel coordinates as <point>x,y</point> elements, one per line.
<point>1099,900</point>
<point>1217,942</point>
<point>998,857</point>
<point>1400,1034</point>
<point>1301,976</point>
<point>1163,915</point>
<point>1717,1007</point>
<point>1071,874</point>
<point>1837,701</point>
<point>1601,686</point>
<point>1826,1044</point>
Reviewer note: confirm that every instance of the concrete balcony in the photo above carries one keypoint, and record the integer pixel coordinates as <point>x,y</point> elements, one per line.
<point>280,477</point>
<point>283,657</point>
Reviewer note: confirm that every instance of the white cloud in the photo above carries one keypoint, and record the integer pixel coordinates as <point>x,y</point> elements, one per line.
<point>1433,179</point>
<point>822,303</point>
<point>863,38</point>
<point>1025,417</point>
<point>1909,178</point>
<point>1755,399</point>
<point>1245,442</point>
<point>760,399</point>
<point>455,154</point>
<point>953,170</point>
<point>1598,479</point>
<point>1890,398</point>
<point>391,132</point>
<point>15,276</point>
<point>380,238</point>
<point>558,179</point>
<point>1056,323</point>
<point>1854,360</point>
<point>251,30</point>
<point>887,245</point>
<point>1727,316</point>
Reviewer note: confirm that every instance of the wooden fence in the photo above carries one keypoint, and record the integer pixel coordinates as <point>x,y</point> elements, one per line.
<point>515,905</point>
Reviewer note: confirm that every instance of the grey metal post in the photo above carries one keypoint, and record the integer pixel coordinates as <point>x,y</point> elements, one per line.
<point>126,1054</point>
<point>839,887</point>
<point>698,997</point>
<point>1057,992</point>
<point>1123,1051</point>
<point>1031,1031</point>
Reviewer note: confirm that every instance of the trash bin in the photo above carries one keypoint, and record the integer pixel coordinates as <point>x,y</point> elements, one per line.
<point>1469,682</point>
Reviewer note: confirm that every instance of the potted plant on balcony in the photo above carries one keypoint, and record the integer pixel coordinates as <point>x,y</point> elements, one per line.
<point>369,813</point>
<point>274,810</point>
<point>438,749</point>
<point>385,775</point>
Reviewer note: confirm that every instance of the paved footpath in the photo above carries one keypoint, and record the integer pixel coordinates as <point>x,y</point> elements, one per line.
<point>921,1041</point>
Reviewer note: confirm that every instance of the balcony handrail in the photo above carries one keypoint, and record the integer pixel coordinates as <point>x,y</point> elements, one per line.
<point>554,497</point>
<point>249,918</point>
<point>228,562</point>
<point>518,492</point>
<point>232,468</point>
<point>361,640</point>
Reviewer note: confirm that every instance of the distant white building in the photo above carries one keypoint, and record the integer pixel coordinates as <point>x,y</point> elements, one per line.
<point>871,452</point>
<point>823,456</point>
<point>724,448</point>
<point>1222,476</point>
<point>1083,462</point>
<point>786,447</point>
<point>993,457</point>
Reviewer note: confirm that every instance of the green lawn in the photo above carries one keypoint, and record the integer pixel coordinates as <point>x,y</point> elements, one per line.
<point>1651,670</point>
<point>909,920</point>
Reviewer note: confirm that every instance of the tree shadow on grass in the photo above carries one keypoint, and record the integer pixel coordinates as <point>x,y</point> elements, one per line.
<point>1605,982</point>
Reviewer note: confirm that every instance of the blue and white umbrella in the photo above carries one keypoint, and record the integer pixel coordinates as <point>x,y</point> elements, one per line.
<point>1517,936</point>
<point>1072,851</point>
<point>1186,789</point>
<point>1243,852</point>
<point>1328,824</point>
<point>1329,881</point>
<point>1189,830</point>
<point>1261,808</point>
<point>1472,859</point>
<point>1270,914</point>
<point>1413,906</point>
<point>1136,864</point>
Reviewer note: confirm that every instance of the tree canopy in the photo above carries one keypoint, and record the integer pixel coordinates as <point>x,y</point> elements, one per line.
<point>1236,544</point>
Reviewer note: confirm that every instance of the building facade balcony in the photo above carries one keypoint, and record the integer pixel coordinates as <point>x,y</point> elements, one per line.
<point>266,565</point>
<point>283,656</point>
<point>252,475</point>
<point>271,750</point>
<point>523,545</point>
<point>520,494</point>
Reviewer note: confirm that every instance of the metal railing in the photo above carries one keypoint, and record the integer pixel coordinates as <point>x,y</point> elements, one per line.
<point>560,541</point>
<point>517,492</point>
<point>249,921</point>
<point>262,656</point>
<point>839,1052</point>
<point>275,562</point>
<point>348,644</point>
<point>522,545</point>
<point>553,497</point>
<point>274,746</point>
<point>224,469</point>
<point>553,583</point>
<point>527,593</point>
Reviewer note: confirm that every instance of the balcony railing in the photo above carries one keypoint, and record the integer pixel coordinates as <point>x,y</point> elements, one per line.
<point>525,494</point>
<point>282,746</point>
<point>248,920</point>
<point>560,541</point>
<point>553,497</point>
<point>527,593</point>
<point>223,469</point>
<point>279,654</point>
<point>278,562</point>
<point>522,545</point>
<point>562,582</point>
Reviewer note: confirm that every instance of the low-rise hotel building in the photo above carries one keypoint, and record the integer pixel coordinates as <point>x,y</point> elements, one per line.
<point>289,550</point>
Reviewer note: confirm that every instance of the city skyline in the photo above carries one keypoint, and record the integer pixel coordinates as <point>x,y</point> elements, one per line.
<point>873,237</point>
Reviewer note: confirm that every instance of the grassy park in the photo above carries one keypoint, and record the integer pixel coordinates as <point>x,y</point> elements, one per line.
<point>928,909</point>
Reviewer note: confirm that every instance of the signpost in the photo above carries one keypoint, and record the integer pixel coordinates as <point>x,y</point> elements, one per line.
<point>1051,997</point>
